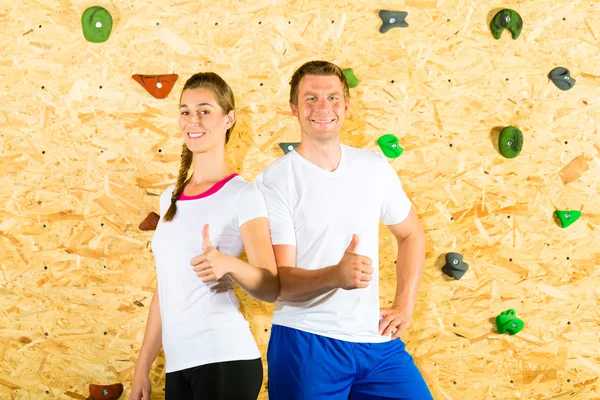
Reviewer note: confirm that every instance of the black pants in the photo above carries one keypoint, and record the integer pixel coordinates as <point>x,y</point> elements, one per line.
<point>231,380</point>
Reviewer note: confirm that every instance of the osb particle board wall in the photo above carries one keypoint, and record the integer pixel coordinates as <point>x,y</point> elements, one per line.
<point>86,151</point>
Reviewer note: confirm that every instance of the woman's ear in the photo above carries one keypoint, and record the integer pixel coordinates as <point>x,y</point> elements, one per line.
<point>230,118</point>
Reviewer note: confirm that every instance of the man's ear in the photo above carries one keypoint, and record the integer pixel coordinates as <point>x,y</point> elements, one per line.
<point>294,108</point>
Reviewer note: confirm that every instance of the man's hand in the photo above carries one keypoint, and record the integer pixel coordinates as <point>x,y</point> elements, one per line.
<point>212,265</point>
<point>394,318</point>
<point>354,271</point>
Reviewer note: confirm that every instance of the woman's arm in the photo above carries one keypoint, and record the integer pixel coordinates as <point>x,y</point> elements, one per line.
<point>141,388</point>
<point>152,342</point>
<point>258,277</point>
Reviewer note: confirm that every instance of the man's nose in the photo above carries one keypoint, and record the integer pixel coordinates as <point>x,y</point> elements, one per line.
<point>322,105</point>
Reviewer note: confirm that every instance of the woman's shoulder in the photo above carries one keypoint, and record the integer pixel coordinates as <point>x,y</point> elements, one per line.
<point>168,192</point>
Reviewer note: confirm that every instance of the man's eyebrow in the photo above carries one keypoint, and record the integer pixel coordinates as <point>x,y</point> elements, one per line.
<point>197,105</point>
<point>330,93</point>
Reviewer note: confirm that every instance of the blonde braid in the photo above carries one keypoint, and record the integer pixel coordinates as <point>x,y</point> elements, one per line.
<point>186,162</point>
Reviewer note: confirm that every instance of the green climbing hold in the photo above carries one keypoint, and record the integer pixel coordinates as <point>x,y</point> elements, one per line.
<point>96,23</point>
<point>510,142</point>
<point>350,77</point>
<point>506,19</point>
<point>389,145</point>
<point>507,321</point>
<point>567,217</point>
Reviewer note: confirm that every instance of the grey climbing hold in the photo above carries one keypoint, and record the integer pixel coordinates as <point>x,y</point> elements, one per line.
<point>288,146</point>
<point>392,19</point>
<point>455,267</point>
<point>562,78</point>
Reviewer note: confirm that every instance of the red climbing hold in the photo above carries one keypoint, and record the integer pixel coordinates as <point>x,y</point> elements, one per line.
<point>159,86</point>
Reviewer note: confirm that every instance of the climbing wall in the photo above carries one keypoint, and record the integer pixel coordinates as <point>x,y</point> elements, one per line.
<point>87,149</point>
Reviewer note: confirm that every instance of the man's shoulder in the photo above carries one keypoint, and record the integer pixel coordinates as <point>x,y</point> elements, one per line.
<point>277,170</point>
<point>356,154</point>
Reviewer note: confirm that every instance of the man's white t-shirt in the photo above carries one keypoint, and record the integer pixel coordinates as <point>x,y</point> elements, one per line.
<point>199,325</point>
<point>318,211</point>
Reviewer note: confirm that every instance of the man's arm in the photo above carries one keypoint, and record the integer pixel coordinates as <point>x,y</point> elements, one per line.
<point>410,259</point>
<point>409,268</point>
<point>298,284</point>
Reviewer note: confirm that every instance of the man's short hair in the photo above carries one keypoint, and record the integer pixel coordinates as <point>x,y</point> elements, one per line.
<point>316,68</point>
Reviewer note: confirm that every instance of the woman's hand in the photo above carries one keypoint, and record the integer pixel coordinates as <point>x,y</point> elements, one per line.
<point>211,265</point>
<point>140,388</point>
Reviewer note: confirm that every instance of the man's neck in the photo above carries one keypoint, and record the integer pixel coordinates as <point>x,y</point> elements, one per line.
<point>326,156</point>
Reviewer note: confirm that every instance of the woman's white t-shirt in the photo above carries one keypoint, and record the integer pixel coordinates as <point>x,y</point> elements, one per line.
<point>199,325</point>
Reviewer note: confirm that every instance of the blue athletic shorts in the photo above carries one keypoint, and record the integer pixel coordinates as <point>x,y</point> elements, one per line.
<point>304,366</point>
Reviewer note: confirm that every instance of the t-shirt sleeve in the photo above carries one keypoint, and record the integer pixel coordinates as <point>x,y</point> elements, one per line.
<point>165,200</point>
<point>251,204</point>
<point>280,214</point>
<point>395,205</point>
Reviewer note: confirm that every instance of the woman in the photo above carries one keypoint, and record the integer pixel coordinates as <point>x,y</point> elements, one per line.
<point>209,350</point>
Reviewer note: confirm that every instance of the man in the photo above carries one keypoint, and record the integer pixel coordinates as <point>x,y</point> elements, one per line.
<point>330,339</point>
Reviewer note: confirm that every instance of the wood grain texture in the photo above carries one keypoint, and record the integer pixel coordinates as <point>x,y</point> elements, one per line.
<point>86,152</point>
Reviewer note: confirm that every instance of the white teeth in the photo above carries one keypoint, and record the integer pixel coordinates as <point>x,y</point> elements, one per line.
<point>195,135</point>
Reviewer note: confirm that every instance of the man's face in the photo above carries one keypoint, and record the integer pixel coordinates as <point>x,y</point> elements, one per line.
<point>322,107</point>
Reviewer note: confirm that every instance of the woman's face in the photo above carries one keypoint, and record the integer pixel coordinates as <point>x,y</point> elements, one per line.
<point>202,121</point>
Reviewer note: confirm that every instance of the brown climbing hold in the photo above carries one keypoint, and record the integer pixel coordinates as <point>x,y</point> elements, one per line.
<point>159,86</point>
<point>149,224</point>
<point>105,392</point>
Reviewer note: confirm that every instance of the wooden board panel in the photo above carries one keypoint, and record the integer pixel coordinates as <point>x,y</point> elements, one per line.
<point>86,151</point>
